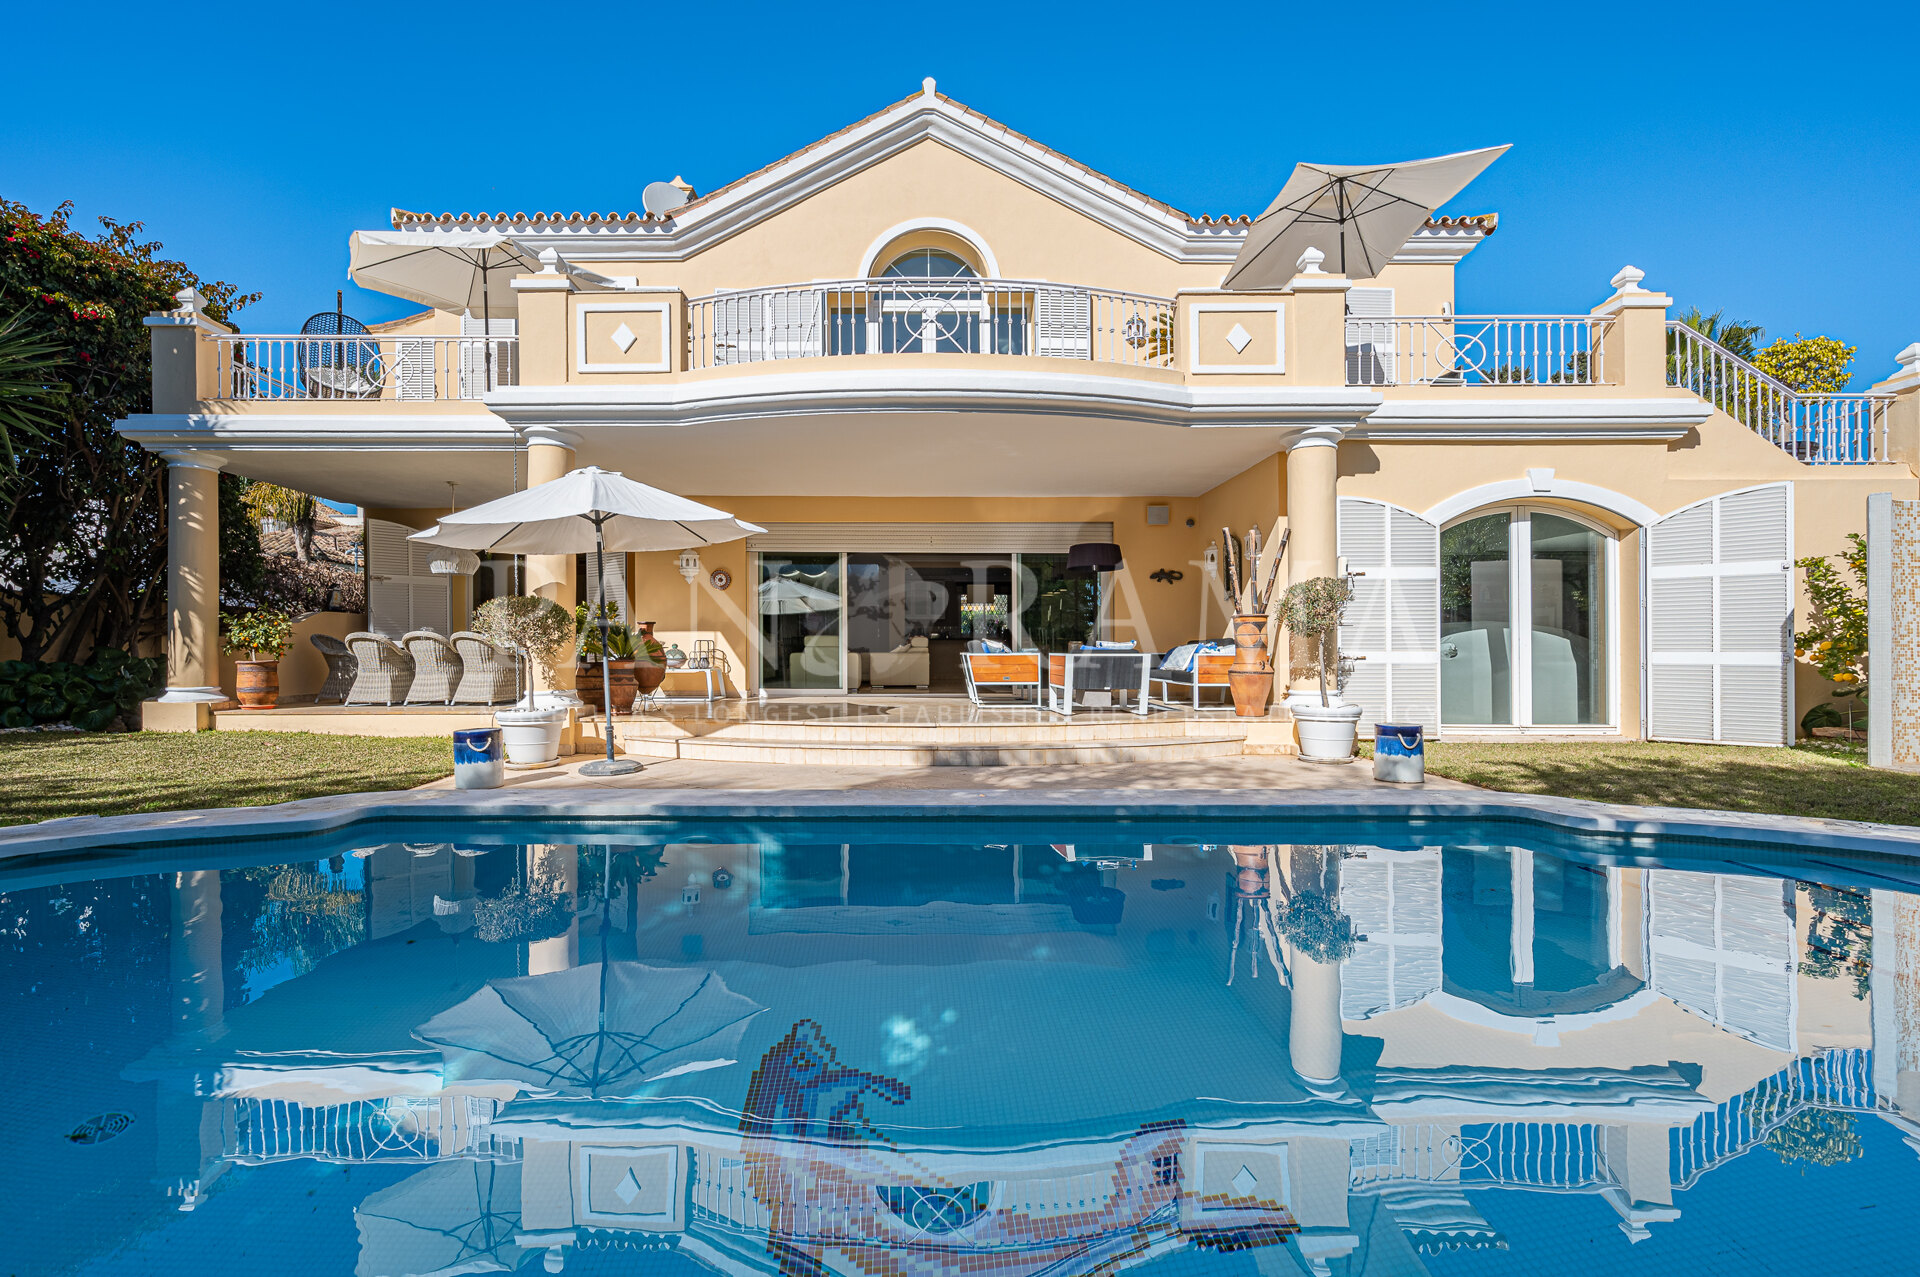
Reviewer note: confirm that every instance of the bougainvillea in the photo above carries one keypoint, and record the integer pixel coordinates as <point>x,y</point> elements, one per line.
<point>82,511</point>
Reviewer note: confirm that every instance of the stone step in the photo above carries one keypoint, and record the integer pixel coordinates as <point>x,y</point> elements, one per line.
<point>1155,727</point>
<point>1031,751</point>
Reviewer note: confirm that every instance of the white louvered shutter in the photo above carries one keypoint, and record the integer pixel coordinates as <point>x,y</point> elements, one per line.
<point>1723,946</point>
<point>1720,619</point>
<point>1393,898</point>
<point>1394,620</point>
<point>793,323</point>
<point>402,592</point>
<point>1370,359</point>
<point>1063,323</point>
<point>616,582</point>
<point>477,335</point>
<point>739,328</point>
<point>414,379</point>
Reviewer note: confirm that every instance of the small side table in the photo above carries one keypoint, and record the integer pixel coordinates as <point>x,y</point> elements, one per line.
<point>715,679</point>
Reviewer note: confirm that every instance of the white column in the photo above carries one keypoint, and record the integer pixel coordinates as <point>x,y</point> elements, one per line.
<point>193,576</point>
<point>1521,957</point>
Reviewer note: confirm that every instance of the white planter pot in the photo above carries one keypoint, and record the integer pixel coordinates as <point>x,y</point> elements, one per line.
<point>532,736</point>
<point>1327,733</point>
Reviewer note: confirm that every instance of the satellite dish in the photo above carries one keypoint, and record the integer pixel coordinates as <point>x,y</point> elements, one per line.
<point>661,198</point>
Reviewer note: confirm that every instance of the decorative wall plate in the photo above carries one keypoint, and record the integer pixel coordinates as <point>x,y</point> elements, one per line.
<point>721,578</point>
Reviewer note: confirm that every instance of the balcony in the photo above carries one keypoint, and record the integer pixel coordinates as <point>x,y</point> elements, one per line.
<point>1477,350</point>
<point>962,316</point>
<point>364,367</point>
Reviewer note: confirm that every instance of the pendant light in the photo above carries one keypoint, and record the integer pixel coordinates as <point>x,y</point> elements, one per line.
<point>450,562</point>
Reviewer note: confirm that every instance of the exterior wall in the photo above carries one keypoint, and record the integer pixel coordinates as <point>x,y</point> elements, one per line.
<point>303,671</point>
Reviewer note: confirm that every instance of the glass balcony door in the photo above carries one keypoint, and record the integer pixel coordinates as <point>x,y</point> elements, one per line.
<point>1524,621</point>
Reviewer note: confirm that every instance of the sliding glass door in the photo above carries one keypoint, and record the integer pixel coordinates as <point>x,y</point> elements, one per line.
<point>1524,621</point>
<point>798,598</point>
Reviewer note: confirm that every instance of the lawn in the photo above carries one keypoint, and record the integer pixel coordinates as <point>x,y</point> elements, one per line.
<point>1825,781</point>
<point>49,774</point>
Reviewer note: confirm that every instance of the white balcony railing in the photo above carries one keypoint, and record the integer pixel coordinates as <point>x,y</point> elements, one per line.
<point>929,316</point>
<point>1816,429</point>
<point>1476,350</point>
<point>406,1128</point>
<point>1557,1156</point>
<point>368,366</point>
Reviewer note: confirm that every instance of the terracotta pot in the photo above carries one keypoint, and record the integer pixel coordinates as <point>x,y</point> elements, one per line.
<point>624,685</point>
<point>650,661</point>
<point>587,685</point>
<point>257,683</point>
<point>1250,677</point>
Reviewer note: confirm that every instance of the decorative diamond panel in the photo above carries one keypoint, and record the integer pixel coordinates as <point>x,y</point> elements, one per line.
<point>1245,1182</point>
<point>1238,339</point>
<point>628,1188</point>
<point>624,338</point>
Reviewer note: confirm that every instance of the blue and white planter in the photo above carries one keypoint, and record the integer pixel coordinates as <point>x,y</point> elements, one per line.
<point>479,758</point>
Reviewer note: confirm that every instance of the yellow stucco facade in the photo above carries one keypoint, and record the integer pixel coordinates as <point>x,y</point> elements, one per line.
<point>779,349</point>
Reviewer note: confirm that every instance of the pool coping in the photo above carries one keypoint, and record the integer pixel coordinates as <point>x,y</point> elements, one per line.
<point>1574,815</point>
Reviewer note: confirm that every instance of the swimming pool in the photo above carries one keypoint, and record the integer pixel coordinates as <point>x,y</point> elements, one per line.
<point>1054,1042</point>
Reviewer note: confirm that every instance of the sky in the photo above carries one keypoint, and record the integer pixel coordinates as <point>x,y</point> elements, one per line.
<point>1761,160</point>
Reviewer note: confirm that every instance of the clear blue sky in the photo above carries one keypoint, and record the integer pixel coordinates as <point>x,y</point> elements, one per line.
<point>1762,160</point>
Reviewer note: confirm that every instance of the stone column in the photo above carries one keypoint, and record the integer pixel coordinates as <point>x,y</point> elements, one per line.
<point>193,594</point>
<point>187,1141</point>
<point>1633,351</point>
<point>550,454</point>
<point>1313,520</point>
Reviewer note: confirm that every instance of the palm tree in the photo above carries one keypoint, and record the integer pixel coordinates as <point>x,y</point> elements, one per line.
<point>29,387</point>
<point>1732,335</point>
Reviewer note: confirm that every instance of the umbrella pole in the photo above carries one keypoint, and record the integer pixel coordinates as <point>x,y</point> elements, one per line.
<point>608,766</point>
<point>486,328</point>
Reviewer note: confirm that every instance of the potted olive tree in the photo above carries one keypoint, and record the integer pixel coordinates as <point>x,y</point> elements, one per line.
<point>263,635</point>
<point>542,631</point>
<point>1313,610</point>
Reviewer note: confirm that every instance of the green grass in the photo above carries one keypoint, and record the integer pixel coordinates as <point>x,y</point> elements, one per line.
<point>49,774</point>
<point>1831,782</point>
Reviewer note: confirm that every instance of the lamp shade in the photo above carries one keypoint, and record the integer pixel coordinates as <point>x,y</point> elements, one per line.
<point>1092,556</point>
<point>447,562</point>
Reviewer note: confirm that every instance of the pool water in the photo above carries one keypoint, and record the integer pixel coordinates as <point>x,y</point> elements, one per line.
<point>893,1048</point>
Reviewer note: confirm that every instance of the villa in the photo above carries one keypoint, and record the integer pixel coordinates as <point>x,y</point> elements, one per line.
<point>930,356</point>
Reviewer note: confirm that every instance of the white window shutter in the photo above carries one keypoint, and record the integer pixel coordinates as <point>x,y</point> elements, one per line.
<point>616,580</point>
<point>1720,619</point>
<point>1394,621</point>
<point>1063,323</point>
<point>416,373</point>
<point>794,321</point>
<point>402,592</point>
<point>1393,898</point>
<point>1370,359</point>
<point>1723,946</point>
<point>739,328</point>
<point>474,354</point>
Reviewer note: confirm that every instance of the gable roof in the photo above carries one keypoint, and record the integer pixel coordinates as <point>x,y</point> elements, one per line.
<point>709,218</point>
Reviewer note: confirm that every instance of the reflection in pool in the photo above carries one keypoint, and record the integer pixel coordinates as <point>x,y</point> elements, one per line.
<point>797,1054</point>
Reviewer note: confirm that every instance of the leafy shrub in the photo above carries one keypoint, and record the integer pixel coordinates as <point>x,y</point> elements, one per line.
<point>263,634</point>
<point>89,696</point>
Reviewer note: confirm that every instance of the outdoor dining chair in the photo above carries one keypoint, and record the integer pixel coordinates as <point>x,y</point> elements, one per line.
<point>437,668</point>
<point>341,669</point>
<point>386,671</point>
<point>490,672</point>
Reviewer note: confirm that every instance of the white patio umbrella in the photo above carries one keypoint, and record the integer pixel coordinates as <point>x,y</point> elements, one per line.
<point>457,1217</point>
<point>1359,215</point>
<point>592,1032</point>
<point>451,270</point>
<point>589,509</point>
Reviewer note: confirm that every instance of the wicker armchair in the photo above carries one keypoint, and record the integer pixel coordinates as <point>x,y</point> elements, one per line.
<point>436,668</point>
<point>492,672</point>
<point>385,674</point>
<point>341,668</point>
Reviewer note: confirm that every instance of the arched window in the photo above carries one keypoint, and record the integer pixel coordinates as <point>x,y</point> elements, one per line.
<point>929,263</point>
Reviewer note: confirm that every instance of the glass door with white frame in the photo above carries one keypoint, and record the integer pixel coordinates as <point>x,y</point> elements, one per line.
<point>798,598</point>
<point>1524,616</point>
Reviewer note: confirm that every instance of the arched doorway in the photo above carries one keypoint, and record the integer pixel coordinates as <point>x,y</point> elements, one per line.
<point>1527,612</point>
